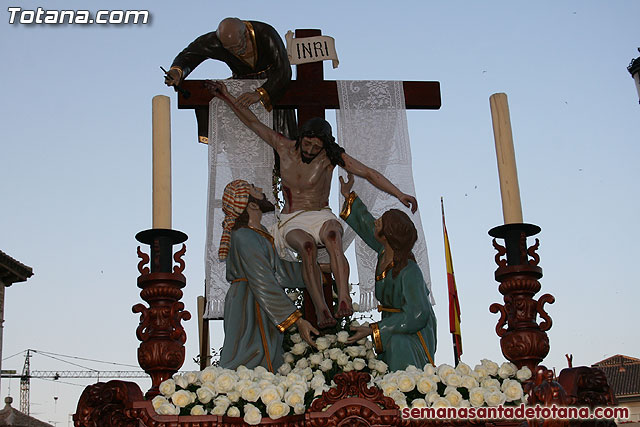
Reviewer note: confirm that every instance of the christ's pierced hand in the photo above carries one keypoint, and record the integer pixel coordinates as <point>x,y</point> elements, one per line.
<point>218,89</point>
<point>306,329</point>
<point>409,201</point>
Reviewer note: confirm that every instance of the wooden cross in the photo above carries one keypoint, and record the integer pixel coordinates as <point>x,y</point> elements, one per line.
<point>311,95</point>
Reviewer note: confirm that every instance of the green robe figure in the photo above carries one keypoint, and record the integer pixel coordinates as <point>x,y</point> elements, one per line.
<point>256,309</point>
<point>406,335</point>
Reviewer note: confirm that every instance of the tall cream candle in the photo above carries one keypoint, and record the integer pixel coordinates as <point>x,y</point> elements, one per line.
<point>509,189</point>
<point>161,162</point>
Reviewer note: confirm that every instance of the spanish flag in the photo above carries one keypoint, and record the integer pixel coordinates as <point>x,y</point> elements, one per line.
<point>454,305</point>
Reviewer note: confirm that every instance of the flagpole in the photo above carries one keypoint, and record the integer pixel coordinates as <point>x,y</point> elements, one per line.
<point>454,318</point>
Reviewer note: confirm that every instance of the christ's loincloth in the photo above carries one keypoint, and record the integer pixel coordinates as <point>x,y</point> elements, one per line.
<point>308,221</point>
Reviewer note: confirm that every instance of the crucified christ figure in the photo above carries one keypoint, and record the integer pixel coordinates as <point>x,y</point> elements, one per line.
<point>306,221</point>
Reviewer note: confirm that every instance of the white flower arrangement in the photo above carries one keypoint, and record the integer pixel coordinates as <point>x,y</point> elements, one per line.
<point>445,386</point>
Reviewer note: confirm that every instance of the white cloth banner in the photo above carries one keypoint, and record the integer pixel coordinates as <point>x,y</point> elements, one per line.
<point>372,127</point>
<point>235,152</point>
<point>311,49</point>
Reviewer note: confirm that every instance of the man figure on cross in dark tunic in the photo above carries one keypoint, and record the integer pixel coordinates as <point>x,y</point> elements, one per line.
<point>306,221</point>
<point>252,50</point>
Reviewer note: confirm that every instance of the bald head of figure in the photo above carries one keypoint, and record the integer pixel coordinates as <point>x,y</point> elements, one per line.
<point>232,34</point>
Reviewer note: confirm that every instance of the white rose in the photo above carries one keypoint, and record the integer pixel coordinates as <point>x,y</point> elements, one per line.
<point>315,359</point>
<point>359,364</point>
<point>198,410</point>
<point>332,338</point>
<point>353,351</point>
<point>259,371</point>
<point>284,369</point>
<point>302,363</point>
<point>322,343</point>
<point>326,365</point>
<point>225,382</point>
<point>507,370</point>
<point>233,412</point>
<point>441,402</point>
<point>431,397</point>
<point>269,376</point>
<point>495,398</point>
<point>429,369</point>
<point>307,373</point>
<point>342,359</point>
<point>234,395</point>
<point>167,409</point>
<point>294,378</point>
<point>240,385</point>
<point>454,397</point>
<point>523,373</point>
<point>299,409</point>
<point>183,398</point>
<point>208,374</point>
<point>269,394</point>
<point>419,403</point>
<point>481,370</point>
<point>454,380</point>
<point>388,388</point>
<point>381,366</point>
<point>476,397</point>
<point>512,390</point>
<point>463,369</point>
<point>219,410</point>
<point>348,367</point>
<point>425,385</point>
<point>296,338</point>
<point>405,383</point>
<point>444,371</point>
<point>490,382</point>
<point>167,387</point>
<point>191,377</point>
<point>299,349</point>
<point>491,367</point>
<point>181,381</point>
<point>295,397</point>
<point>469,382</point>
<point>252,415</point>
<point>250,394</point>
<point>370,355</point>
<point>334,353</point>
<point>205,394</point>
<point>288,357</point>
<point>158,401</point>
<point>343,336</point>
<point>277,409</point>
<point>315,383</point>
<point>223,401</point>
<point>399,398</point>
<point>318,391</point>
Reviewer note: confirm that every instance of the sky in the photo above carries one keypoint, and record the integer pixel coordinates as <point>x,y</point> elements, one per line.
<point>75,181</point>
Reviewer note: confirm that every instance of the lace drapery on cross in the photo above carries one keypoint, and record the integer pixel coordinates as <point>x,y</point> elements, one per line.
<point>372,127</point>
<point>235,152</point>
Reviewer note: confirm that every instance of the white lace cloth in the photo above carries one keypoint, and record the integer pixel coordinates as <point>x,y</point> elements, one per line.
<point>235,152</point>
<point>372,128</point>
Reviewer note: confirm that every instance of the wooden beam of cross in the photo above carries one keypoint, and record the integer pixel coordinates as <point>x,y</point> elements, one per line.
<point>310,94</point>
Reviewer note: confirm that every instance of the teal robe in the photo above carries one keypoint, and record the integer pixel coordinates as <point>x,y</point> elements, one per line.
<point>410,326</point>
<point>256,308</point>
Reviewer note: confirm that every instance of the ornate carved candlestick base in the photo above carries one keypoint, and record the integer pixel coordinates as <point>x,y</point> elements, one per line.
<point>524,342</point>
<point>161,353</point>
